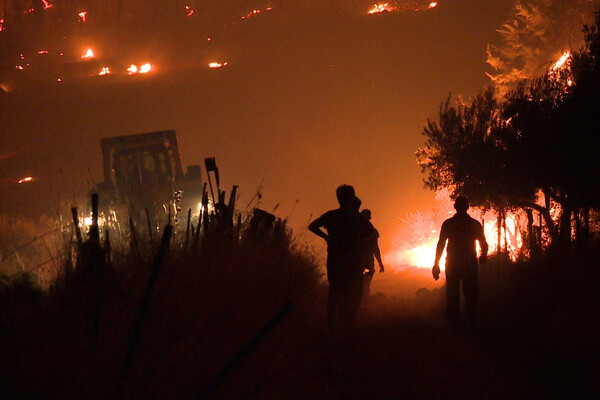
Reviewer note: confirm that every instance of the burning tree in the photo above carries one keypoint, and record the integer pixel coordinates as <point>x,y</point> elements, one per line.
<point>533,35</point>
<point>537,149</point>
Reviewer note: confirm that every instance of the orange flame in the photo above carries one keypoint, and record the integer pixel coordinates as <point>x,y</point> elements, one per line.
<point>215,64</point>
<point>420,252</point>
<point>26,179</point>
<point>83,16</point>
<point>88,55</point>
<point>189,11</point>
<point>47,4</point>
<point>381,7</point>
<point>145,68</point>
<point>142,69</point>
<point>562,61</point>
<point>1,25</point>
<point>42,52</point>
<point>104,71</point>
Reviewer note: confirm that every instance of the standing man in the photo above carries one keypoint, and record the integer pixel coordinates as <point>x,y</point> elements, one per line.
<point>461,232</point>
<point>345,232</point>
<point>372,249</point>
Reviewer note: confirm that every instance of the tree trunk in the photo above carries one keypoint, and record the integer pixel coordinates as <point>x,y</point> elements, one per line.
<point>564,229</point>
<point>499,248</point>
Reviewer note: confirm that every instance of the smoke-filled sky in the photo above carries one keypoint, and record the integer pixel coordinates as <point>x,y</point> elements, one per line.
<point>312,96</point>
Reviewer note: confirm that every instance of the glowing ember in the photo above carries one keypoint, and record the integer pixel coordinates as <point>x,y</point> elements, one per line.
<point>104,71</point>
<point>88,55</point>
<point>20,67</point>
<point>59,80</point>
<point>47,4</point>
<point>1,25</point>
<point>83,16</point>
<point>561,61</point>
<point>145,68</point>
<point>394,6</point>
<point>43,52</point>
<point>215,64</point>
<point>251,14</point>
<point>189,11</point>
<point>382,7</point>
<point>27,179</point>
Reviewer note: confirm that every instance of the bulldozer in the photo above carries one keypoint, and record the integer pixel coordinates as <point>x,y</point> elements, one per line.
<point>144,179</point>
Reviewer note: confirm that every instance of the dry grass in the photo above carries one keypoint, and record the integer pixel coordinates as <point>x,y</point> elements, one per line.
<point>535,337</point>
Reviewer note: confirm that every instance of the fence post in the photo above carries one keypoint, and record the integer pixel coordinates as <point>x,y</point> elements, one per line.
<point>143,310</point>
<point>235,361</point>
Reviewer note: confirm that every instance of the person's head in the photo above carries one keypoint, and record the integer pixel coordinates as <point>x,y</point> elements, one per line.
<point>366,213</point>
<point>345,194</point>
<point>355,204</point>
<point>461,204</point>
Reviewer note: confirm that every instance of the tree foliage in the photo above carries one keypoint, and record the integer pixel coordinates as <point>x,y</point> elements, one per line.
<point>544,137</point>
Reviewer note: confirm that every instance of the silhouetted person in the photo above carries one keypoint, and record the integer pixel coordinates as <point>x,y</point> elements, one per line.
<point>345,232</point>
<point>461,232</point>
<point>372,253</point>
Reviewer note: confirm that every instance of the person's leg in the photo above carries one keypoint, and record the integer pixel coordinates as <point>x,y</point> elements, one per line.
<point>452,298</point>
<point>471,293</point>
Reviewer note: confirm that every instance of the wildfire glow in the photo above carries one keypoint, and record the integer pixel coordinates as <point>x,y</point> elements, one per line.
<point>251,13</point>
<point>26,179</point>
<point>381,7</point>
<point>394,6</point>
<point>83,16</point>
<point>88,55</point>
<point>104,71</point>
<point>561,61</point>
<point>420,252</point>
<point>143,69</point>
<point>215,64</point>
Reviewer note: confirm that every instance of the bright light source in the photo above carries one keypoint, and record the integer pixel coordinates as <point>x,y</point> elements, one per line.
<point>145,68</point>
<point>83,16</point>
<point>89,54</point>
<point>104,71</point>
<point>26,179</point>
<point>215,64</point>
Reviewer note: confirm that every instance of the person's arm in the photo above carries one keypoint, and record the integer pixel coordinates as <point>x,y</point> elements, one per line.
<point>438,254</point>
<point>316,228</point>
<point>484,246</point>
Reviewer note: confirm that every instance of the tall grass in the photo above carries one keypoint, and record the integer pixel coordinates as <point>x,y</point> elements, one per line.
<point>207,303</point>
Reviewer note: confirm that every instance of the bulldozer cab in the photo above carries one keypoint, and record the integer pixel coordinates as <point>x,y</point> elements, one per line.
<point>143,177</point>
<point>142,168</point>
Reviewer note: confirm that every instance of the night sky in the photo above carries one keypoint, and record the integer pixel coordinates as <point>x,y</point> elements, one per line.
<point>313,96</point>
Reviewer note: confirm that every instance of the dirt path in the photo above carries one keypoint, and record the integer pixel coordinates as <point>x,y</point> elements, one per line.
<point>397,352</point>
